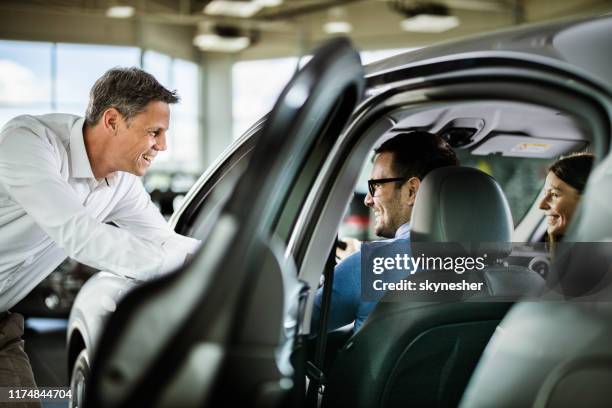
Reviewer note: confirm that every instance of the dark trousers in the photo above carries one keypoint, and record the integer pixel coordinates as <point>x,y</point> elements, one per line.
<point>15,368</point>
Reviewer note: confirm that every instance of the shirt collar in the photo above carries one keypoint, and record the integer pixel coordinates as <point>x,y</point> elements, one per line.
<point>80,165</point>
<point>403,231</point>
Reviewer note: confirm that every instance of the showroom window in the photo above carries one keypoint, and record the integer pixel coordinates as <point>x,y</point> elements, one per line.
<point>159,65</point>
<point>25,79</point>
<point>257,84</point>
<point>255,87</point>
<point>42,77</point>
<point>183,136</point>
<point>78,67</point>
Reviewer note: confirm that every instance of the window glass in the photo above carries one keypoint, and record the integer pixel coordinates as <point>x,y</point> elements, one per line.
<point>521,179</point>
<point>215,191</point>
<point>186,81</point>
<point>256,86</point>
<point>326,128</point>
<point>185,122</point>
<point>182,143</point>
<point>158,65</point>
<point>183,149</point>
<point>78,67</point>
<point>25,79</point>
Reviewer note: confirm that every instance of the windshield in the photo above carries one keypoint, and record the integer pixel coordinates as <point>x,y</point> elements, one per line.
<point>520,178</point>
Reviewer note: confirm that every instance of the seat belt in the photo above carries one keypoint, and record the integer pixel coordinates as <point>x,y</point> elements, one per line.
<point>314,369</point>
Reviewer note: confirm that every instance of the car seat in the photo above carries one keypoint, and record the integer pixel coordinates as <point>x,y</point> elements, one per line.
<point>423,353</point>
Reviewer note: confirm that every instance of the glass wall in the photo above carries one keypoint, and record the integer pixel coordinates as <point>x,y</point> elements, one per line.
<point>255,87</point>
<point>78,67</point>
<point>25,79</point>
<point>183,147</point>
<point>257,84</point>
<point>41,77</point>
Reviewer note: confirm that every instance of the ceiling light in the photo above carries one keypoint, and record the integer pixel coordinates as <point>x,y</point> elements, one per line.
<point>120,12</point>
<point>220,38</point>
<point>269,3</point>
<point>337,22</point>
<point>429,23</point>
<point>337,27</point>
<point>233,8</point>
<point>424,16</point>
<point>216,43</point>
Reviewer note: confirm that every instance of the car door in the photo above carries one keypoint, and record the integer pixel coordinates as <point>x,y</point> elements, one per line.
<point>213,333</point>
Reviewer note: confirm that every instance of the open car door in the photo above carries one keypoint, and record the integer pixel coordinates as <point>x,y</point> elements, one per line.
<point>213,333</point>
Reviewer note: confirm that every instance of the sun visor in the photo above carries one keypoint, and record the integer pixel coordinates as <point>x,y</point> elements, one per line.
<point>526,146</point>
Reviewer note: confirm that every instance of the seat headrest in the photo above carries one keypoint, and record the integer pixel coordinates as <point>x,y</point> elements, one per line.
<point>463,205</point>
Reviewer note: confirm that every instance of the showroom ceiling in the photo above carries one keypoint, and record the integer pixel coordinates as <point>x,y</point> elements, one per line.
<point>277,27</point>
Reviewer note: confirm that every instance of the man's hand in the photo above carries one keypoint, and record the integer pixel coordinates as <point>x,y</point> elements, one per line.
<point>346,246</point>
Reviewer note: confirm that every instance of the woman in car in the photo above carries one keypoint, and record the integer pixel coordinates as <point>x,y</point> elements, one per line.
<point>564,185</point>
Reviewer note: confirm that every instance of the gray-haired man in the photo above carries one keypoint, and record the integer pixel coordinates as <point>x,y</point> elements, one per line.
<point>63,178</point>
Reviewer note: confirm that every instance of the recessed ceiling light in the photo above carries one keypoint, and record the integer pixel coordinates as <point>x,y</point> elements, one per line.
<point>429,23</point>
<point>217,43</point>
<point>337,21</point>
<point>269,3</point>
<point>120,12</point>
<point>216,38</point>
<point>238,8</point>
<point>337,27</point>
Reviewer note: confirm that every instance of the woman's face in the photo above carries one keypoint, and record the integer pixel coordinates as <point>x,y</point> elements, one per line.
<point>559,203</point>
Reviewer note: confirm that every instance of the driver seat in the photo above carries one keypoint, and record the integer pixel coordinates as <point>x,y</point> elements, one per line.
<point>423,353</point>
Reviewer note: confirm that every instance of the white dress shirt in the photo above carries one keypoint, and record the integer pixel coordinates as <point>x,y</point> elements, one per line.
<point>52,207</point>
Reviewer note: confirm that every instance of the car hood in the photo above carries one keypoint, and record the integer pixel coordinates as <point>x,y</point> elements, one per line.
<point>582,46</point>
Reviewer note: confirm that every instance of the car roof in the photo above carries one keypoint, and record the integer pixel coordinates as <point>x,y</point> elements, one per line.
<point>581,45</point>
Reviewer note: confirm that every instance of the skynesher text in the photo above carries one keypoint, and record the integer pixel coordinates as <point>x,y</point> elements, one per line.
<point>407,285</point>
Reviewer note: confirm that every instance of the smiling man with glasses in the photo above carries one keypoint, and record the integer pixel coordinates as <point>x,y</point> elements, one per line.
<point>400,164</point>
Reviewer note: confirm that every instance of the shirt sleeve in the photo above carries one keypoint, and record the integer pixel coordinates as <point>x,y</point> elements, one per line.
<point>346,295</point>
<point>30,172</point>
<point>137,213</point>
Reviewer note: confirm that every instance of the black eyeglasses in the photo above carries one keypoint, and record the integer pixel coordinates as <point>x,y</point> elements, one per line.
<point>372,183</point>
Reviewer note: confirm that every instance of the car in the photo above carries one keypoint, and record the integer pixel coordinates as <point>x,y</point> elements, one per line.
<point>232,326</point>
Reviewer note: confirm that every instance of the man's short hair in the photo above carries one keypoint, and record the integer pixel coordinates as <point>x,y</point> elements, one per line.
<point>417,153</point>
<point>129,90</point>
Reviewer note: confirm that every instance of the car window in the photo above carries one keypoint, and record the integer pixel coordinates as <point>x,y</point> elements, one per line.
<point>521,179</point>
<point>310,169</point>
<point>222,179</point>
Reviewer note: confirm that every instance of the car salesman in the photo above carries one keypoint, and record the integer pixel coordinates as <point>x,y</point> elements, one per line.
<point>63,179</point>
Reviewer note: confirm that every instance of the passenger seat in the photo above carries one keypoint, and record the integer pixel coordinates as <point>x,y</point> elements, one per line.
<point>423,353</point>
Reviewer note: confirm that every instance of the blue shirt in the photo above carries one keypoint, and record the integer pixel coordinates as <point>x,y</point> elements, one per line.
<point>347,305</point>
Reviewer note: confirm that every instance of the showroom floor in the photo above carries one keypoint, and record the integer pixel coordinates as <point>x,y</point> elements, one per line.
<point>45,343</point>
